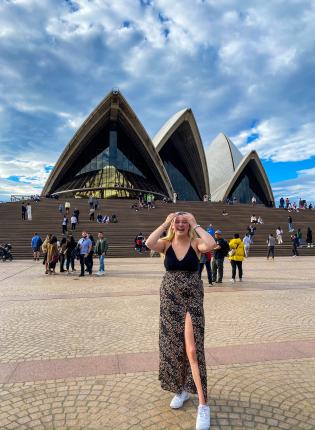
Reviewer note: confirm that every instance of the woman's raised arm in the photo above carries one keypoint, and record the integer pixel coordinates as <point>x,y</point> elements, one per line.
<point>153,241</point>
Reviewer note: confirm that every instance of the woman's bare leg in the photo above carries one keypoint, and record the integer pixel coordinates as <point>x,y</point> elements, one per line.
<point>191,352</point>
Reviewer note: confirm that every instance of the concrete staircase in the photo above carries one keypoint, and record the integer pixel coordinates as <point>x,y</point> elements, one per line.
<point>47,219</point>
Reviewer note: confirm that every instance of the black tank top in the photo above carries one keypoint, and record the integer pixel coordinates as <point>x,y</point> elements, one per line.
<point>189,263</point>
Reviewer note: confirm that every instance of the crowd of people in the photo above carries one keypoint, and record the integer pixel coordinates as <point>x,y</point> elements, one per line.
<point>67,250</point>
<point>70,221</point>
<point>293,206</point>
<point>74,218</point>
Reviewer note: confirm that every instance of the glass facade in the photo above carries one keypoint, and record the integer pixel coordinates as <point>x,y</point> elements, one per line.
<point>112,165</point>
<point>182,163</point>
<point>248,185</point>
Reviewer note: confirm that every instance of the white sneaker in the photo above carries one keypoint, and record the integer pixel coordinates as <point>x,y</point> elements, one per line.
<point>203,418</point>
<point>178,400</point>
<point>232,280</point>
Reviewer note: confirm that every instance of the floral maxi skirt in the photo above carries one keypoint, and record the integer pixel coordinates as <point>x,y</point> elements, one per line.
<point>181,292</point>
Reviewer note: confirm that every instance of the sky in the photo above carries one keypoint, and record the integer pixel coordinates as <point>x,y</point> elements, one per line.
<point>245,68</point>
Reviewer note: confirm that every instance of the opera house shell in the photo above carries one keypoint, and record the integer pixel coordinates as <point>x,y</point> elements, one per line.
<point>111,155</point>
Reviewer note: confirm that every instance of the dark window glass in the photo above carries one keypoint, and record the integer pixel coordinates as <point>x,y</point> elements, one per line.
<point>112,160</point>
<point>248,185</point>
<point>182,163</point>
<point>181,184</point>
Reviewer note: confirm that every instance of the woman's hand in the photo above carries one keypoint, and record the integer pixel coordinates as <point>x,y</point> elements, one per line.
<point>191,219</point>
<point>168,220</point>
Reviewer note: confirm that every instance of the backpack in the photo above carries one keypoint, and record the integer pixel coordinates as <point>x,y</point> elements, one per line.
<point>225,248</point>
<point>76,251</point>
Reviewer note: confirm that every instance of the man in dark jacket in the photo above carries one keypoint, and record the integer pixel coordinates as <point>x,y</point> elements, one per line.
<point>219,252</point>
<point>23,211</point>
<point>101,248</point>
<point>76,213</point>
<point>295,244</point>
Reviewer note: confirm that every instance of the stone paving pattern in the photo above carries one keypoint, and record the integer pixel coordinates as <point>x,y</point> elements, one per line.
<point>63,322</point>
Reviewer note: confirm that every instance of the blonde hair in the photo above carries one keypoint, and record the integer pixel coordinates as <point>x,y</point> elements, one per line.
<point>171,233</point>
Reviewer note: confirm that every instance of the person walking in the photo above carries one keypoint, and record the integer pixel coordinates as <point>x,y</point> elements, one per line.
<point>36,244</point>
<point>220,251</point>
<point>67,207</point>
<point>92,214</point>
<point>85,246</point>
<point>251,229</point>
<point>101,248</point>
<point>45,250</point>
<point>64,224</point>
<point>29,212</point>
<point>295,244</point>
<point>91,201</point>
<point>279,234</point>
<point>70,253</point>
<point>76,213</point>
<point>52,255</point>
<point>74,221</point>
<point>271,243</point>
<point>23,211</point>
<point>247,243</point>
<point>254,201</point>
<point>290,224</point>
<point>309,237</point>
<point>182,367</point>
<point>205,260</point>
<point>236,256</point>
<point>60,208</point>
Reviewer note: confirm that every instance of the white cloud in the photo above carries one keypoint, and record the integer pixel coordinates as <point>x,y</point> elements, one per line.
<point>29,171</point>
<point>278,143</point>
<point>22,176</point>
<point>300,187</point>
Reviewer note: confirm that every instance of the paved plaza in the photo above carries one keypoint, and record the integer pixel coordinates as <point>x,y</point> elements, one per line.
<point>82,353</point>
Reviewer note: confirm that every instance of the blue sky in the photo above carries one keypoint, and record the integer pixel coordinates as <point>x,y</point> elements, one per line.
<point>245,68</point>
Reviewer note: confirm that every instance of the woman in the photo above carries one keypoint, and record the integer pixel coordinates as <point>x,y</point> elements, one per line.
<point>52,255</point>
<point>45,250</point>
<point>253,219</point>
<point>299,236</point>
<point>236,256</point>
<point>29,212</point>
<point>279,234</point>
<point>182,360</point>
<point>247,242</point>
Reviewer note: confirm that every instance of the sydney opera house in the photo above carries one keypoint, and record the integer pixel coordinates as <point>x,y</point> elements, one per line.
<point>112,156</point>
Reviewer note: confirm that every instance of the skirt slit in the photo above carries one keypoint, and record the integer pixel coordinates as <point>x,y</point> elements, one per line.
<point>181,293</point>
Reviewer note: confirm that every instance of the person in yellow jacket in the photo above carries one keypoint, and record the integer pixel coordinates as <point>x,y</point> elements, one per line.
<point>236,256</point>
